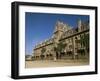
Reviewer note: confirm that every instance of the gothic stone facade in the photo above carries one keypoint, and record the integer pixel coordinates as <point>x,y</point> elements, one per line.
<point>74,39</point>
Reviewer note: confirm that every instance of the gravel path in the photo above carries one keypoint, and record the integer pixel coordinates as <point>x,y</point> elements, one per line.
<point>58,63</point>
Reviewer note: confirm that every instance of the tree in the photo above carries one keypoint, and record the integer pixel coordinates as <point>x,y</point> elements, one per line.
<point>87,42</point>
<point>42,52</point>
<point>84,40</point>
<point>60,48</point>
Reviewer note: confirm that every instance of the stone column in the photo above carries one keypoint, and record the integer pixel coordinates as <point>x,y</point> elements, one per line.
<point>54,53</point>
<point>73,45</point>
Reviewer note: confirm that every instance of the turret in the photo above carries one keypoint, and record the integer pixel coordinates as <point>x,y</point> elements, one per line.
<point>59,29</point>
<point>79,25</point>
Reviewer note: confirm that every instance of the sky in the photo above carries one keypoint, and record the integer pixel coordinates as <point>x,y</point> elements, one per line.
<point>40,26</point>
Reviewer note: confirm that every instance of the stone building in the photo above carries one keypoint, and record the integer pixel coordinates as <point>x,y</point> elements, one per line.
<point>66,43</point>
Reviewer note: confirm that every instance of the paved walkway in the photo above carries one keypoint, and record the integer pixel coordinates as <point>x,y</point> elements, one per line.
<point>51,63</point>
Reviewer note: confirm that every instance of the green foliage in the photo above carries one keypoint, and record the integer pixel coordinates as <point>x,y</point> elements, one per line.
<point>81,51</point>
<point>84,40</point>
<point>60,47</point>
<point>43,50</point>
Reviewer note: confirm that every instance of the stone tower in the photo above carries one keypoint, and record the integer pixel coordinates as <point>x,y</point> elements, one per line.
<point>79,25</point>
<point>59,29</point>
